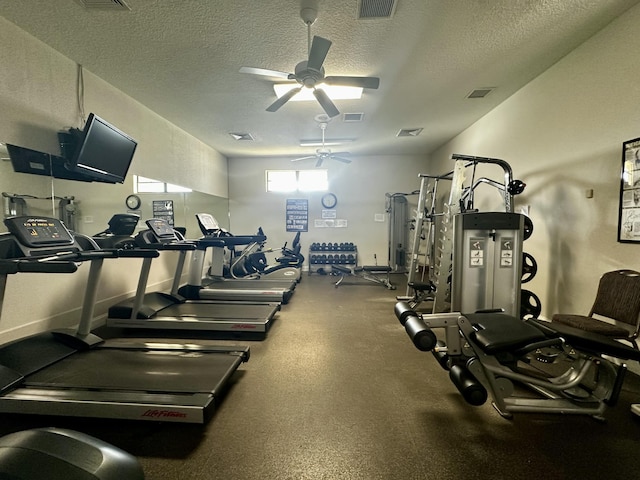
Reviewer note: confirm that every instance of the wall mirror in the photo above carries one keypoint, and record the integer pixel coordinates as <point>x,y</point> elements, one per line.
<point>87,206</point>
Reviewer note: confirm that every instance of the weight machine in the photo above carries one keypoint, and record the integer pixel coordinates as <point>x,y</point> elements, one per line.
<point>526,366</point>
<point>434,232</point>
<point>396,207</point>
<point>17,205</point>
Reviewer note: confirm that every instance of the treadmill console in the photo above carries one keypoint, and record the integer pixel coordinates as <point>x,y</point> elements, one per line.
<point>123,224</point>
<point>162,230</point>
<point>208,224</point>
<point>37,232</point>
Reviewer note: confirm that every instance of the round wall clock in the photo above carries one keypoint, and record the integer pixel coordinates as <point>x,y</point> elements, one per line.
<point>133,202</point>
<point>329,200</point>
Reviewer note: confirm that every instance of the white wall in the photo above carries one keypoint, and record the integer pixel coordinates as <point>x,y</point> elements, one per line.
<point>37,99</point>
<point>359,186</point>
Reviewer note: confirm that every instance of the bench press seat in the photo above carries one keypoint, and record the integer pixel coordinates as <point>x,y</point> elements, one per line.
<point>366,272</point>
<point>374,268</point>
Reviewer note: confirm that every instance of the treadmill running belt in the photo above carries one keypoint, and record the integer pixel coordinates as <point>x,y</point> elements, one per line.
<point>134,370</point>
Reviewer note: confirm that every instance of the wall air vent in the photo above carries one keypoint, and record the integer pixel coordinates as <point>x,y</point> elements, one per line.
<point>409,132</point>
<point>104,4</point>
<point>242,136</point>
<point>352,117</point>
<point>369,9</point>
<point>480,92</point>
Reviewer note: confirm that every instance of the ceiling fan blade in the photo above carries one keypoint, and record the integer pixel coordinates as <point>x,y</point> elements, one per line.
<point>303,158</point>
<point>325,102</point>
<point>341,159</point>
<point>264,72</point>
<point>317,54</point>
<point>364,82</point>
<point>283,99</point>
<point>319,162</point>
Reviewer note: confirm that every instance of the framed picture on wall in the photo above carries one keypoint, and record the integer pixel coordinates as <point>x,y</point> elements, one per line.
<point>629,208</point>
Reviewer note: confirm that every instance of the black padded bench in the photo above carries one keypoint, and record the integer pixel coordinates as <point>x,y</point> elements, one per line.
<point>501,333</point>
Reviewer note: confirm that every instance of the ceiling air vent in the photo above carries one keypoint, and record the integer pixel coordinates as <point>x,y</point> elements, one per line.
<point>352,117</point>
<point>104,4</point>
<point>241,136</point>
<point>409,132</point>
<point>480,92</point>
<point>376,9</point>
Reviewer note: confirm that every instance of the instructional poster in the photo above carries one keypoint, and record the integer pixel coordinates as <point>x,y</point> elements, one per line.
<point>297,216</point>
<point>163,209</point>
<point>629,211</point>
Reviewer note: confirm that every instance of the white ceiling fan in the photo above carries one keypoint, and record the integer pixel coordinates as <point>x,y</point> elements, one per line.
<point>324,153</point>
<point>310,73</point>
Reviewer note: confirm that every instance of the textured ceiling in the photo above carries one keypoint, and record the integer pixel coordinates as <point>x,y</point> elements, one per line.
<point>181,59</point>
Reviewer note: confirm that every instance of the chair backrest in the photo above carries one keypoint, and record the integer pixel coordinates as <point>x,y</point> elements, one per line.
<point>618,296</point>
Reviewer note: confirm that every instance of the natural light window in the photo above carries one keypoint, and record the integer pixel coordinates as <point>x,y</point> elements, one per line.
<point>297,180</point>
<point>149,185</point>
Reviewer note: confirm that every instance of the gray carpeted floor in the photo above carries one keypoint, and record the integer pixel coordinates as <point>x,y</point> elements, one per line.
<point>337,391</point>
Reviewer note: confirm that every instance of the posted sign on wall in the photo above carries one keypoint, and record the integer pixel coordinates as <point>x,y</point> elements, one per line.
<point>297,215</point>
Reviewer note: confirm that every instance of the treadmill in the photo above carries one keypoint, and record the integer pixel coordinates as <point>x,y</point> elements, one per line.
<point>76,373</point>
<point>218,287</point>
<point>158,310</point>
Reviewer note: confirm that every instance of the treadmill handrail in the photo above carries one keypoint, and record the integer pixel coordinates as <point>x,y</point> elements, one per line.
<point>20,265</point>
<point>230,241</point>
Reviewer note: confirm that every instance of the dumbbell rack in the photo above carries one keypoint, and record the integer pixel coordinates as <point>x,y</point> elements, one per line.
<point>323,255</point>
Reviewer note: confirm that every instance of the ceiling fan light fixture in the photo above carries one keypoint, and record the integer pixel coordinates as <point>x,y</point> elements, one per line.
<point>335,92</point>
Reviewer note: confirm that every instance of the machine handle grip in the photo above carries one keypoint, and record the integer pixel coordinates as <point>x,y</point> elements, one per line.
<point>31,266</point>
<point>138,253</point>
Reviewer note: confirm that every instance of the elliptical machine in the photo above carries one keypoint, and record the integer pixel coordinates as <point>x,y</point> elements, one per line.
<point>253,261</point>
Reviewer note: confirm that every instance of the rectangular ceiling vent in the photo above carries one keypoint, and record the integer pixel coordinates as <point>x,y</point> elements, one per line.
<point>104,4</point>
<point>241,136</point>
<point>352,117</point>
<point>480,92</point>
<point>370,9</point>
<point>409,132</point>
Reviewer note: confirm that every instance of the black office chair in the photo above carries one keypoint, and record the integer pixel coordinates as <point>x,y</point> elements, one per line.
<point>616,310</point>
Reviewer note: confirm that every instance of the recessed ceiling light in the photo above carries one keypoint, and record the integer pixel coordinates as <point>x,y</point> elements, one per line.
<point>335,92</point>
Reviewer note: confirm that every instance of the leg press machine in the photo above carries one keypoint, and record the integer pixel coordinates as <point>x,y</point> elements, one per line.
<point>524,365</point>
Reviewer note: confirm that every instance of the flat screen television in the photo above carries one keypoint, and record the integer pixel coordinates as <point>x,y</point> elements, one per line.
<point>103,152</point>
